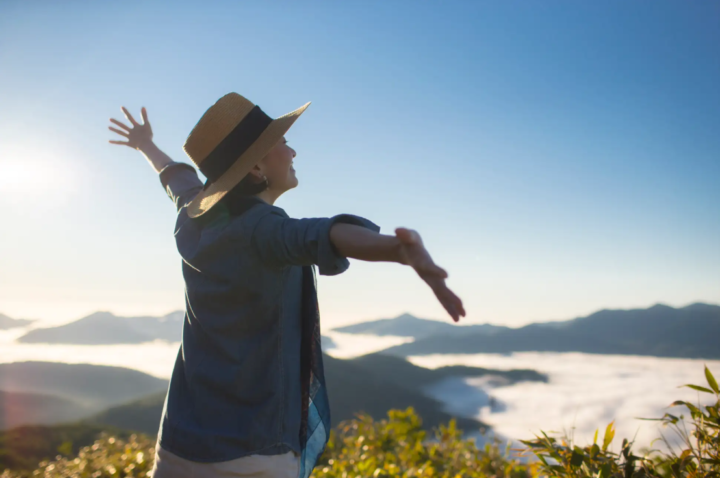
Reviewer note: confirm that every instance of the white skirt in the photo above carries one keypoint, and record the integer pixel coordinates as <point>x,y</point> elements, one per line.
<point>169,465</point>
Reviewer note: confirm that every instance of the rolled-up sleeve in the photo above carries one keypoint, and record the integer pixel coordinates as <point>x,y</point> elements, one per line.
<point>280,240</point>
<point>181,183</point>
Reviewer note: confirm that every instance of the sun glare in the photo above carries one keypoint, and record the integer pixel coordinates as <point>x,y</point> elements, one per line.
<point>36,171</point>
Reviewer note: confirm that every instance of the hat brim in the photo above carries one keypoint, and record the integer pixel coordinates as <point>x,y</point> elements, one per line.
<point>267,140</point>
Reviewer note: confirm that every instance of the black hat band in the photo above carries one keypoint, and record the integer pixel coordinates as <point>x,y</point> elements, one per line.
<point>247,131</point>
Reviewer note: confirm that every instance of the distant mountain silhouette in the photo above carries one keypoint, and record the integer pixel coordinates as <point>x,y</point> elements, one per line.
<point>661,331</point>
<point>374,383</point>
<point>105,328</point>
<point>20,408</point>
<point>95,387</point>
<point>407,325</point>
<point>9,323</point>
<point>400,371</point>
<point>328,343</point>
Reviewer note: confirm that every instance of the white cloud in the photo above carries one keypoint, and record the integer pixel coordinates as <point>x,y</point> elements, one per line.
<point>585,392</point>
<point>355,345</point>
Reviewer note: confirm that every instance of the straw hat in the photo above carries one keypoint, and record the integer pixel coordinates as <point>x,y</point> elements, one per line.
<point>231,137</point>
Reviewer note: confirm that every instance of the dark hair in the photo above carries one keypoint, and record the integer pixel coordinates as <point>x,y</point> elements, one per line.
<point>246,187</point>
<point>238,200</point>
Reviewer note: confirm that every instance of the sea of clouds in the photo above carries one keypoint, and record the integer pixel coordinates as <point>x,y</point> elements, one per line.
<point>584,392</point>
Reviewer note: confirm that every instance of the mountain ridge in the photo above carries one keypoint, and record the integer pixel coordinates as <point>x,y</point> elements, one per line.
<point>660,331</point>
<point>407,325</point>
<point>7,322</point>
<point>105,328</point>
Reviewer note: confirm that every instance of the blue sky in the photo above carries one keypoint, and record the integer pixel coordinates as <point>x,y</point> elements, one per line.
<point>557,157</point>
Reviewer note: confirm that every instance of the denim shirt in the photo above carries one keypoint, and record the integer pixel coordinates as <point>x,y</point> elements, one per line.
<point>235,389</point>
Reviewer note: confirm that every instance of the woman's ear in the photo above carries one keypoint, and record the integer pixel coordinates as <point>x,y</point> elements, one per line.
<point>256,173</point>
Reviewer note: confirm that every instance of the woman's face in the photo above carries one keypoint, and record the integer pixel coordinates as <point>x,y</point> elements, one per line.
<point>277,166</point>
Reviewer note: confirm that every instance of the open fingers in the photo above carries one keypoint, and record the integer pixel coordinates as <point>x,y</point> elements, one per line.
<point>143,112</point>
<point>126,143</point>
<point>129,116</point>
<point>121,124</point>
<point>121,133</point>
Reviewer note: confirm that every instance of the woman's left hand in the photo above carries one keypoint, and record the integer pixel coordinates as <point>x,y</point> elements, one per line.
<point>139,136</point>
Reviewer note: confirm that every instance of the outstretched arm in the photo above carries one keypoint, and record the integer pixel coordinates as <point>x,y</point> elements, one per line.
<point>180,180</point>
<point>406,248</point>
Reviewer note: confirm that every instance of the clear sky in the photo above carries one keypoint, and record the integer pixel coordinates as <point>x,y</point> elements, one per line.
<point>557,157</point>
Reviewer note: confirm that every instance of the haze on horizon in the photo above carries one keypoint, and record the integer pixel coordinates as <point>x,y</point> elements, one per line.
<point>557,158</point>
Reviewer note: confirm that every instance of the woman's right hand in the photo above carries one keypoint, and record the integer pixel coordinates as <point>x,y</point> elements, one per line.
<point>139,136</point>
<point>414,254</point>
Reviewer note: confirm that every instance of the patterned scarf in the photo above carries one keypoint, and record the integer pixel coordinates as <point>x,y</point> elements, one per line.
<point>315,424</point>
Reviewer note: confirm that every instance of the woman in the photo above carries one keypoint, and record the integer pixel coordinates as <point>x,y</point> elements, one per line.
<point>247,394</point>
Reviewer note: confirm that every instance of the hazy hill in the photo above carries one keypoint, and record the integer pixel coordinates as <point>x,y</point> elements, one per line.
<point>373,383</point>
<point>9,323</point>
<point>22,448</point>
<point>20,408</point>
<point>124,398</point>
<point>93,386</point>
<point>662,331</point>
<point>400,371</point>
<point>351,389</point>
<point>168,327</point>
<point>103,328</point>
<point>407,325</point>
<point>141,415</point>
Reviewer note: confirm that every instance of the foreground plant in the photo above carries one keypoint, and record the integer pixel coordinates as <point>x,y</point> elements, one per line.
<point>698,458</point>
<point>699,455</point>
<point>559,457</point>
<point>398,447</point>
<point>107,457</point>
